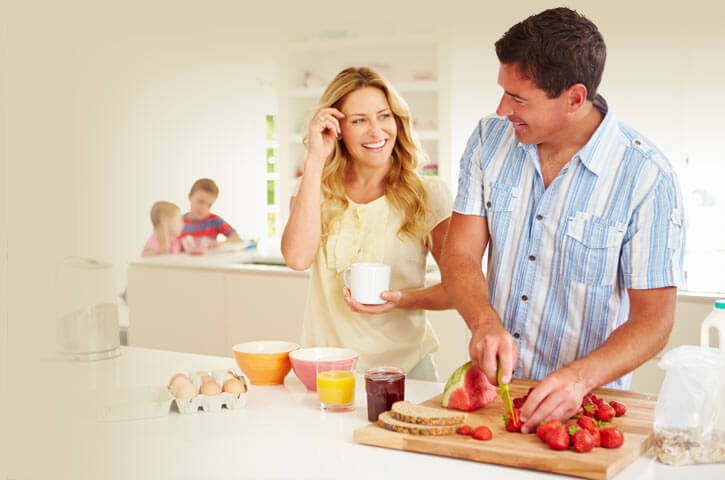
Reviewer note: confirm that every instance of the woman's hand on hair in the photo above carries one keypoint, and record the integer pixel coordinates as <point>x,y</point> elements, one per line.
<point>392,298</point>
<point>324,131</point>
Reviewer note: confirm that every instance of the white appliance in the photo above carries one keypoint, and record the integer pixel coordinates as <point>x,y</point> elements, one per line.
<point>87,325</point>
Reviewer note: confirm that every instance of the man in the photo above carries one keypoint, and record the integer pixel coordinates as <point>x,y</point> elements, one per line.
<point>582,218</point>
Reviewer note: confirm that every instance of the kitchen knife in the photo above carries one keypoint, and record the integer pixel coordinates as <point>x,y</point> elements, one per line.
<point>505,395</point>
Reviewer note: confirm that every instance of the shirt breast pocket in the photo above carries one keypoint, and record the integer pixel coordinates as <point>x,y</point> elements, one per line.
<point>592,247</point>
<point>500,201</point>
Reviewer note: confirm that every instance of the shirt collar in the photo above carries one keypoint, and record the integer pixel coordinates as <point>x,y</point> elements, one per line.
<point>602,135</point>
<point>604,132</point>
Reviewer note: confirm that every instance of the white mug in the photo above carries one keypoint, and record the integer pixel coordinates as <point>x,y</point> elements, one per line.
<point>367,281</point>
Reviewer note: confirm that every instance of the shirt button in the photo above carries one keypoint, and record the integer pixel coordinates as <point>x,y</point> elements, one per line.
<point>532,258</point>
<point>524,297</point>
<point>539,217</point>
<point>516,335</point>
<point>488,204</point>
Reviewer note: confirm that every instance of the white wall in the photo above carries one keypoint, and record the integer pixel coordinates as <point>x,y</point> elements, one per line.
<point>3,241</point>
<point>155,105</point>
<point>664,65</point>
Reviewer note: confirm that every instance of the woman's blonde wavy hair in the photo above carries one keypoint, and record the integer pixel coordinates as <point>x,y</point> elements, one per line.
<point>161,215</point>
<point>404,187</point>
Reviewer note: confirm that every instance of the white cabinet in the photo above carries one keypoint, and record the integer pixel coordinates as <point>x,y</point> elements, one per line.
<point>416,66</point>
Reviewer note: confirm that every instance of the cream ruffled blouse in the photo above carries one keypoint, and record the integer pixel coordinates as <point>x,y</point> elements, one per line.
<point>368,233</point>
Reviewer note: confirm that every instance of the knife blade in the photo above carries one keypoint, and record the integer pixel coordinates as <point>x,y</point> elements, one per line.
<point>505,395</point>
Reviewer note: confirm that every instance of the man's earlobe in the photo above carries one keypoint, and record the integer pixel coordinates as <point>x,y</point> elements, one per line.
<point>577,96</point>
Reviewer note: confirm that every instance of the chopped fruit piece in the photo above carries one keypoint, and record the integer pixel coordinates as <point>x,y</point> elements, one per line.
<point>464,430</point>
<point>468,389</point>
<point>482,433</point>
<point>513,422</point>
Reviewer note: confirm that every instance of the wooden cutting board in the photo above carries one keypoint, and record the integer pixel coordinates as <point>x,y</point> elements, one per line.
<point>527,451</point>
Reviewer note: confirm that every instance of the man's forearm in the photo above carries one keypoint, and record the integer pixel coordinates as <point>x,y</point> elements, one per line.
<point>467,288</point>
<point>427,298</point>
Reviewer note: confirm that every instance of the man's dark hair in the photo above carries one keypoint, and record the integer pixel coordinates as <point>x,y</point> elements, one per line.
<point>556,48</point>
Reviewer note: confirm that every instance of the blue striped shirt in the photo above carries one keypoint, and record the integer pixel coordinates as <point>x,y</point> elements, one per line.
<point>560,259</point>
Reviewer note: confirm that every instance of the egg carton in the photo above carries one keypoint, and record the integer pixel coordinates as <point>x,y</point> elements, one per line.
<point>213,403</point>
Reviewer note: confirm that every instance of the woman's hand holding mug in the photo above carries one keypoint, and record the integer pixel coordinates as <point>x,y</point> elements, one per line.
<point>367,288</point>
<point>392,299</point>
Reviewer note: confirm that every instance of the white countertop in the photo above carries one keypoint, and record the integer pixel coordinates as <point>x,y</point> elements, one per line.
<point>279,434</point>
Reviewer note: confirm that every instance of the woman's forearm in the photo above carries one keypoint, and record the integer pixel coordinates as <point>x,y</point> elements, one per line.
<point>301,236</point>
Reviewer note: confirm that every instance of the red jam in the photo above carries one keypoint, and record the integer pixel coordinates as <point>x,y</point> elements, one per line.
<point>384,386</point>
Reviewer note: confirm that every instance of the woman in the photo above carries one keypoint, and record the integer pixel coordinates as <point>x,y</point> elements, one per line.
<point>360,199</point>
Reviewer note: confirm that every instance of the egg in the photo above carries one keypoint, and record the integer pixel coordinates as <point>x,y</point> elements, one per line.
<point>234,386</point>
<point>210,388</point>
<point>206,378</point>
<point>185,391</point>
<point>202,373</point>
<point>176,379</point>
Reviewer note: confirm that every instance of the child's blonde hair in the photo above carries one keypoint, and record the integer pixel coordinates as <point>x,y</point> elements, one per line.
<point>161,215</point>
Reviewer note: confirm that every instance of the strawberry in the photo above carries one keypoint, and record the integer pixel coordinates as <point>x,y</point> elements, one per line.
<point>605,412</point>
<point>513,423</point>
<point>587,400</point>
<point>464,430</point>
<point>587,423</point>
<point>545,427</point>
<point>612,437</point>
<point>619,408</point>
<point>590,410</point>
<point>582,440</point>
<point>558,439</point>
<point>597,437</point>
<point>519,402</point>
<point>482,433</point>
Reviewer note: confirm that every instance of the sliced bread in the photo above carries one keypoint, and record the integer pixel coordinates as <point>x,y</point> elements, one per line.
<point>387,421</point>
<point>412,413</point>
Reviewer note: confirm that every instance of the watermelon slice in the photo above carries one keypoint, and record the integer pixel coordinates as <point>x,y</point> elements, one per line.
<point>468,389</point>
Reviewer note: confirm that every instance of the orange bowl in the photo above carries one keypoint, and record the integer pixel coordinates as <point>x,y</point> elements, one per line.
<point>264,362</point>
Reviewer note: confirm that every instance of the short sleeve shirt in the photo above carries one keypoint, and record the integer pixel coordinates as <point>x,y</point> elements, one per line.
<point>369,233</point>
<point>154,244</point>
<point>209,227</point>
<point>561,258</point>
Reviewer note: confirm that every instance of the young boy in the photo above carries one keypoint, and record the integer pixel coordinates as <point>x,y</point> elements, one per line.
<point>199,223</point>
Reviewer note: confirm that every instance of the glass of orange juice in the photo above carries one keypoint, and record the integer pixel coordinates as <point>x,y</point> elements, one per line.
<point>336,385</point>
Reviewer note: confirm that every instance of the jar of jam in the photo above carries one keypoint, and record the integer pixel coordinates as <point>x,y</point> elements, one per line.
<point>384,386</point>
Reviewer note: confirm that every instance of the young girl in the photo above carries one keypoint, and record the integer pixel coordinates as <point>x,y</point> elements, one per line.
<point>168,223</point>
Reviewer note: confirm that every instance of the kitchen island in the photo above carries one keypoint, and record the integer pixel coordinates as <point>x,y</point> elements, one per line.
<point>205,304</point>
<point>279,434</point>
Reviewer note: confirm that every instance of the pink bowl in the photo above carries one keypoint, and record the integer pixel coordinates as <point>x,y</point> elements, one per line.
<point>304,362</point>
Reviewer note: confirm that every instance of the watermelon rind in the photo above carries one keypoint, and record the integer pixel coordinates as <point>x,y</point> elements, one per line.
<point>456,380</point>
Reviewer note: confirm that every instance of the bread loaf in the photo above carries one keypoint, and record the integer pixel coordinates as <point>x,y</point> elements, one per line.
<point>387,421</point>
<point>412,413</point>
